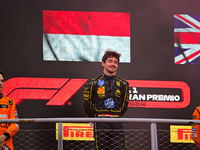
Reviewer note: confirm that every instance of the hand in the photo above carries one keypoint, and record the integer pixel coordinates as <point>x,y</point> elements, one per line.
<point>2,146</point>
<point>2,143</point>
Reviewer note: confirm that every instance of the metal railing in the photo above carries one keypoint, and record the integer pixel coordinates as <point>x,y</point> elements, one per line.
<point>152,121</point>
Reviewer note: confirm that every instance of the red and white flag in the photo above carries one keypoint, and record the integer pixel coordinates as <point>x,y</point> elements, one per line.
<point>85,36</point>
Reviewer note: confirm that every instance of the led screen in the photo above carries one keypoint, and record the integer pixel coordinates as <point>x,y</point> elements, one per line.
<point>84,36</point>
<point>187,39</point>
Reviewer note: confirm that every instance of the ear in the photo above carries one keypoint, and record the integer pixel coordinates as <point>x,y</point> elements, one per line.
<point>103,64</point>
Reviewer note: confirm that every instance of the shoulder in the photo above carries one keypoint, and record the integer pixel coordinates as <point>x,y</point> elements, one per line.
<point>122,80</point>
<point>95,80</point>
<point>198,108</point>
<point>8,100</point>
<point>92,82</point>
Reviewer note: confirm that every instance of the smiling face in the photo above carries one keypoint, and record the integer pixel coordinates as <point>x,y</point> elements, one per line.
<point>110,66</point>
<point>1,82</point>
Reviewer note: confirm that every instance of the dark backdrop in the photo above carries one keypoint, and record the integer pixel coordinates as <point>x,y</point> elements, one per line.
<point>152,51</point>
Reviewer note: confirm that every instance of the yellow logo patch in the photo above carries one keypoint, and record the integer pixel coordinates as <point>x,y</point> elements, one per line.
<point>101,90</point>
<point>118,83</point>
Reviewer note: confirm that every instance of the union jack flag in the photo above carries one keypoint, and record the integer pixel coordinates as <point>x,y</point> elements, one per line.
<point>187,39</point>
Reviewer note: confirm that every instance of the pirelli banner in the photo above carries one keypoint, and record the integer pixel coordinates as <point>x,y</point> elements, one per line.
<point>181,134</point>
<point>76,131</point>
<point>159,94</point>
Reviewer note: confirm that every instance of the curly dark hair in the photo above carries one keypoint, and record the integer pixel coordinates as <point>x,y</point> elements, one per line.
<point>2,73</point>
<point>109,54</point>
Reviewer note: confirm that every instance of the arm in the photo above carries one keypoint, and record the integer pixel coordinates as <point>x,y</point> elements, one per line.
<point>195,128</point>
<point>13,127</point>
<point>126,99</point>
<point>87,97</point>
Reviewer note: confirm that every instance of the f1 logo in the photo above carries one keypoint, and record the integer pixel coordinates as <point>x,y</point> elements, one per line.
<point>57,90</point>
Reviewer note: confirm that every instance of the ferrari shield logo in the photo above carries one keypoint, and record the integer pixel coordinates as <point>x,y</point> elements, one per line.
<point>118,83</point>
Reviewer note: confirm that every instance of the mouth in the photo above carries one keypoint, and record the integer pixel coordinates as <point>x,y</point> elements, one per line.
<point>112,67</point>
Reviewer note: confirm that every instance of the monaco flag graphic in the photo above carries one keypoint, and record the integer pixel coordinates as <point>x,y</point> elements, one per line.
<point>85,36</point>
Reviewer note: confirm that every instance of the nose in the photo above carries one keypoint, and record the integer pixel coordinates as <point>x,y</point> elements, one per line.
<point>113,63</point>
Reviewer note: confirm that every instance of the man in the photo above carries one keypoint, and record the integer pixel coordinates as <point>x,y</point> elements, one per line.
<point>107,96</point>
<point>7,111</point>
<point>196,127</point>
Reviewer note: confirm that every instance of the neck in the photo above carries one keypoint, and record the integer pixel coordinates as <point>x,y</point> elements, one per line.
<point>1,95</point>
<point>109,74</point>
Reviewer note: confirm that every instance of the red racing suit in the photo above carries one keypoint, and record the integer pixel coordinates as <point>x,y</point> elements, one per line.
<point>107,96</point>
<point>196,127</point>
<point>8,111</point>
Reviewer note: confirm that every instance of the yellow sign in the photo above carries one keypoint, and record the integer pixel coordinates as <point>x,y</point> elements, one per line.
<point>181,134</point>
<point>76,131</point>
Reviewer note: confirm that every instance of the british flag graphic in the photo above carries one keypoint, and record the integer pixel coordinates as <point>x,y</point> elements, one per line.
<point>187,39</point>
